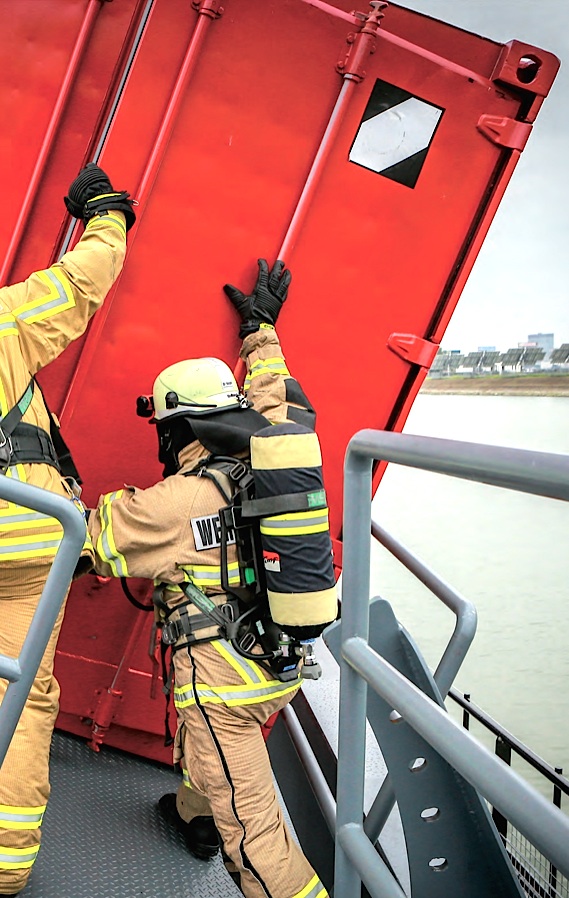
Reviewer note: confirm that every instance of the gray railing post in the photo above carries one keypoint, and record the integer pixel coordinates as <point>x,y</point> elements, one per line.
<point>20,671</point>
<point>539,473</point>
<point>353,688</point>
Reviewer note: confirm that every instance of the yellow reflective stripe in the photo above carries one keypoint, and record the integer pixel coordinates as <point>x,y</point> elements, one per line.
<point>17,858</point>
<point>18,518</point>
<point>276,365</point>
<point>12,817</point>
<point>59,297</point>
<point>184,696</point>
<point>264,366</point>
<point>205,575</point>
<point>109,218</point>
<point>233,696</point>
<point>186,778</point>
<point>8,328</point>
<point>88,544</point>
<point>296,523</point>
<point>314,889</point>
<point>106,546</point>
<point>245,668</point>
<point>16,472</point>
<point>4,407</point>
<point>35,546</point>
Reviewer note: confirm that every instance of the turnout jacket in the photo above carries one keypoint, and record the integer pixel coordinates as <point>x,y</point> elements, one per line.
<point>170,531</point>
<point>38,319</point>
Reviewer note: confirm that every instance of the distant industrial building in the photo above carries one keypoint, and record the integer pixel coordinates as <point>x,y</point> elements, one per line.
<point>536,352</point>
<point>544,341</point>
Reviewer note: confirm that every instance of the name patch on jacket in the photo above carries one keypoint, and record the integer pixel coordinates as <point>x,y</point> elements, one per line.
<point>207,532</point>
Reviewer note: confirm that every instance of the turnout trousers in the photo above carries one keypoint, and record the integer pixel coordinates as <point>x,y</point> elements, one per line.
<point>24,775</point>
<point>222,700</point>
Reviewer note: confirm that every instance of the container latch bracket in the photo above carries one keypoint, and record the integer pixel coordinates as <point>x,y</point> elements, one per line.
<point>413,349</point>
<point>504,131</point>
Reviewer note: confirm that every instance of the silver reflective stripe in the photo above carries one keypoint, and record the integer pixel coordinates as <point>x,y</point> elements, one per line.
<point>183,695</point>
<point>314,889</point>
<point>210,575</point>
<point>9,326</point>
<point>23,518</point>
<point>248,667</point>
<point>110,219</point>
<point>262,366</point>
<point>231,696</point>
<point>58,297</point>
<point>20,820</point>
<point>115,559</point>
<point>30,547</point>
<point>304,521</point>
<point>213,577</point>
<point>14,858</point>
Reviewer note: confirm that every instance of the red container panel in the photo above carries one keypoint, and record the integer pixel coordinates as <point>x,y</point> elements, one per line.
<point>370,152</point>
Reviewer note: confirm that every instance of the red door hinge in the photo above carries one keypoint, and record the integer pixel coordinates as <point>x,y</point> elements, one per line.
<point>361,44</point>
<point>413,349</point>
<point>506,132</point>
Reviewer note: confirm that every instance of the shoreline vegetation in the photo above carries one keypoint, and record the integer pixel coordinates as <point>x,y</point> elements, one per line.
<point>545,384</point>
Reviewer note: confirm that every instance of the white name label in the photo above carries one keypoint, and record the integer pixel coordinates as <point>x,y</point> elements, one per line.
<point>207,532</point>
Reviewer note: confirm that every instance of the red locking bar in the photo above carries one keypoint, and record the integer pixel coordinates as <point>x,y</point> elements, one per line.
<point>361,45</point>
<point>207,11</point>
<point>106,706</point>
<point>334,11</point>
<point>68,80</point>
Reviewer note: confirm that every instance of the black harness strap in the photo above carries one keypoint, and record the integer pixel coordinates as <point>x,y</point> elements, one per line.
<point>66,464</point>
<point>10,421</point>
<point>22,443</point>
<point>32,445</point>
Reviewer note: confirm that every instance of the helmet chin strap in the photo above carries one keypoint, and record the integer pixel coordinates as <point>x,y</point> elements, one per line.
<point>174,434</point>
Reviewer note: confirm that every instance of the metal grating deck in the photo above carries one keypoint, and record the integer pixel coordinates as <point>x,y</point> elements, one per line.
<point>103,837</point>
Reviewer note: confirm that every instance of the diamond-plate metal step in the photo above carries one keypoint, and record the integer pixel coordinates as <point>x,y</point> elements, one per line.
<point>103,838</point>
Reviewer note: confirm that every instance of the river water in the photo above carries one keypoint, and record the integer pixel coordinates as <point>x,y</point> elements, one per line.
<point>504,551</point>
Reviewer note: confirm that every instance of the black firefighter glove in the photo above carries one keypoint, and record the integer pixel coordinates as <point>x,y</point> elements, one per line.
<point>91,194</point>
<point>266,300</point>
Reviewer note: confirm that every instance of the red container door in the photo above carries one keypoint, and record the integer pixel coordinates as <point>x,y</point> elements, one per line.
<point>368,150</point>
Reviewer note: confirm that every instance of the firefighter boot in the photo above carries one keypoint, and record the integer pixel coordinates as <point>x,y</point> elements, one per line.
<point>200,834</point>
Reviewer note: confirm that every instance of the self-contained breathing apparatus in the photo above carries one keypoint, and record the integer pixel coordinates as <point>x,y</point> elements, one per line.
<point>277,518</point>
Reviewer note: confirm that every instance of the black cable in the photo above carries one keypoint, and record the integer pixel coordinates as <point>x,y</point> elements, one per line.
<point>131,598</point>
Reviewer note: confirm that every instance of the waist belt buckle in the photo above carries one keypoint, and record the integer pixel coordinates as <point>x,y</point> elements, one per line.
<point>170,633</point>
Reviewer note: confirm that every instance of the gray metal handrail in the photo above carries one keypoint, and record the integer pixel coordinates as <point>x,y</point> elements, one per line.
<point>20,671</point>
<point>464,610</point>
<point>544,825</point>
<point>448,666</point>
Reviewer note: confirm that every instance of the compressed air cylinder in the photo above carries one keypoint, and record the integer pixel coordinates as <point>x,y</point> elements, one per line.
<point>297,549</point>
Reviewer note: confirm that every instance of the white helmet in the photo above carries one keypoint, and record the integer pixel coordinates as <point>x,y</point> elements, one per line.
<point>195,387</point>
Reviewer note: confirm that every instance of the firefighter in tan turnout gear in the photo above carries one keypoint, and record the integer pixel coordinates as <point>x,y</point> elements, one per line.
<point>38,319</point>
<point>225,690</point>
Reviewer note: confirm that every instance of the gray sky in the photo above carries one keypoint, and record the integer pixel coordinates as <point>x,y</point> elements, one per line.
<point>520,281</point>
